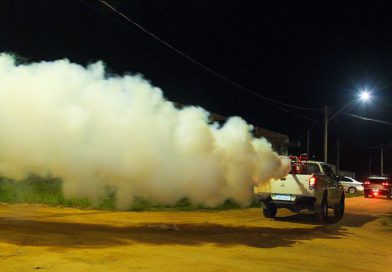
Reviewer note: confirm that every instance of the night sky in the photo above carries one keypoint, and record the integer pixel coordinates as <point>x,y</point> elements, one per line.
<point>303,53</point>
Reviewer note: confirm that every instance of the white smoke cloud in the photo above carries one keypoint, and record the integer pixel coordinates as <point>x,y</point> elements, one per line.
<point>61,119</point>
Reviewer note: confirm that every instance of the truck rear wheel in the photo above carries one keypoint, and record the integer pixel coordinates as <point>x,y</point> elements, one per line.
<point>270,211</point>
<point>321,211</point>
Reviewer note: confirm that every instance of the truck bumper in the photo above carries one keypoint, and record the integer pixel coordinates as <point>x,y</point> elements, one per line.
<point>300,202</point>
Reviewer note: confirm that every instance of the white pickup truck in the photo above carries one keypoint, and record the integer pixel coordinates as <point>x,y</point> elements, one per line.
<point>314,188</point>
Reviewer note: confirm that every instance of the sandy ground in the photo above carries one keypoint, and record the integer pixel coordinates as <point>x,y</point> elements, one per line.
<point>37,237</point>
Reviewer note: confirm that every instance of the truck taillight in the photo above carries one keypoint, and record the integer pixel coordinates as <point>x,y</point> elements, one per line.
<point>366,182</point>
<point>312,182</point>
<point>385,184</point>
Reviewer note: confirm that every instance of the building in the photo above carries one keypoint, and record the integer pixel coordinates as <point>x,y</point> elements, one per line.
<point>280,142</point>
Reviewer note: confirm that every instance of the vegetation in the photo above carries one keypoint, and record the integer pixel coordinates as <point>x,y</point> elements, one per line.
<point>35,189</point>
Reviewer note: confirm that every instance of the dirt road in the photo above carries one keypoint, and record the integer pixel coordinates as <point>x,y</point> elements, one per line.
<point>34,237</point>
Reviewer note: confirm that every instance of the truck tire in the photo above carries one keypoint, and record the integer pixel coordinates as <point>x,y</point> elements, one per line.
<point>338,211</point>
<point>321,211</point>
<point>270,211</point>
<point>389,195</point>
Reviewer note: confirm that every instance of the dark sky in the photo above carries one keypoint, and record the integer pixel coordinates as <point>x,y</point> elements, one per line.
<point>305,53</point>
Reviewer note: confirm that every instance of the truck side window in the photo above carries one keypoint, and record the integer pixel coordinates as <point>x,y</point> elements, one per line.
<point>329,171</point>
<point>313,168</point>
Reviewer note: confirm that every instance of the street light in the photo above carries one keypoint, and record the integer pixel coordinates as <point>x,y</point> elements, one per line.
<point>363,96</point>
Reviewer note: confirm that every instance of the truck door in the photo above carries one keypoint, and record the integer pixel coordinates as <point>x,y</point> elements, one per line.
<point>333,186</point>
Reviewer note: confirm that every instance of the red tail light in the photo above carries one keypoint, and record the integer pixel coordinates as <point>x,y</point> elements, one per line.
<point>385,184</point>
<point>312,182</point>
<point>366,182</point>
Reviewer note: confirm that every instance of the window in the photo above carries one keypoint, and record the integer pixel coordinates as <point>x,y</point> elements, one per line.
<point>345,179</point>
<point>313,168</point>
<point>379,180</point>
<point>328,171</point>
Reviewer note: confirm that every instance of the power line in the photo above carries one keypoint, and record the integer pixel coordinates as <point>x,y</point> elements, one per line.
<point>368,119</point>
<point>299,115</point>
<point>202,65</point>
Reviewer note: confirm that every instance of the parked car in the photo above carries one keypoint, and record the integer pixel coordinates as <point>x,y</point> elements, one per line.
<point>378,186</point>
<point>350,185</point>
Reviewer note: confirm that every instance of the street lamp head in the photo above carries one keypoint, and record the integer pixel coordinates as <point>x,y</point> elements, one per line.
<point>364,95</point>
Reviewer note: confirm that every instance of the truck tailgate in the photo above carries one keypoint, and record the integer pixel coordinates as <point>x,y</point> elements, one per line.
<point>290,185</point>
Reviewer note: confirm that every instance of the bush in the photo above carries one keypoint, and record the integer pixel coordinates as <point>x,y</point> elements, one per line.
<point>36,189</point>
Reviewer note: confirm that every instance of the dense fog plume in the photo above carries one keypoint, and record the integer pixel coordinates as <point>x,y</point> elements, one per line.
<point>60,119</point>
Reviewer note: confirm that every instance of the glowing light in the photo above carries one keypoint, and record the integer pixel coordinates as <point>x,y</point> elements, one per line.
<point>364,95</point>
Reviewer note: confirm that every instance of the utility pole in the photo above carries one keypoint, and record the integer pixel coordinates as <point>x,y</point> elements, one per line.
<point>364,97</point>
<point>325,134</point>
<point>338,156</point>
<point>382,160</point>
<point>307,145</point>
